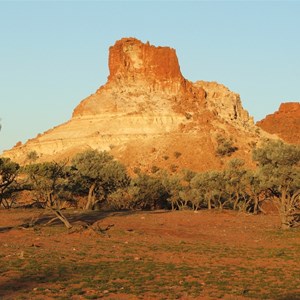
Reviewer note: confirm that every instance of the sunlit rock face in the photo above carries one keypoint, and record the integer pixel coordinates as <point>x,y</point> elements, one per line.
<point>147,111</point>
<point>143,78</point>
<point>285,122</point>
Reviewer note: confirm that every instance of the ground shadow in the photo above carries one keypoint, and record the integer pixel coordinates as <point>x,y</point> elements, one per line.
<point>88,217</point>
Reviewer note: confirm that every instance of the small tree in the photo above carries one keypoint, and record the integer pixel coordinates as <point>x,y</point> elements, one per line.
<point>255,191</point>
<point>173,186</point>
<point>279,171</point>
<point>149,192</point>
<point>97,174</point>
<point>211,187</point>
<point>8,173</point>
<point>48,181</point>
<point>235,182</point>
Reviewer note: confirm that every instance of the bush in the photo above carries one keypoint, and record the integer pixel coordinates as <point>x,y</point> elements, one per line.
<point>149,193</point>
<point>225,146</point>
<point>121,199</point>
<point>154,169</point>
<point>177,154</point>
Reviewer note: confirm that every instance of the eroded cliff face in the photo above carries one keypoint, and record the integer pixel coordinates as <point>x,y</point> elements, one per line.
<point>145,112</point>
<point>143,79</point>
<point>130,59</point>
<point>226,104</point>
<point>285,122</point>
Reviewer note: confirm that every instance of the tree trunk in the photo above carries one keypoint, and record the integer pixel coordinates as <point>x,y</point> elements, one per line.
<point>60,216</point>
<point>91,197</point>
<point>256,200</point>
<point>236,201</point>
<point>50,198</point>
<point>209,201</point>
<point>172,205</point>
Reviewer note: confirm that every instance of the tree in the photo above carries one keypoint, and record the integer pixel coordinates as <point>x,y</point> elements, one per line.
<point>149,192</point>
<point>96,174</point>
<point>8,173</point>
<point>173,186</point>
<point>48,180</point>
<point>279,170</point>
<point>235,182</point>
<point>255,191</point>
<point>211,187</point>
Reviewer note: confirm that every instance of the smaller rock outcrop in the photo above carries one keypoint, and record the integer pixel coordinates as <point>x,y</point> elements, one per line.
<point>225,103</point>
<point>285,122</point>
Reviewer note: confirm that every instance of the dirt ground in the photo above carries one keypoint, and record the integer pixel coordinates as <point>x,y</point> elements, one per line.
<point>148,255</point>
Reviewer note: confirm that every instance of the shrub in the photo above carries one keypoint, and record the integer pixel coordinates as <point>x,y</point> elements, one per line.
<point>173,168</point>
<point>149,193</point>
<point>225,146</point>
<point>177,154</point>
<point>154,169</point>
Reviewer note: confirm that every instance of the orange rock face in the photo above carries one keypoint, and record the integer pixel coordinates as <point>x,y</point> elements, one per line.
<point>137,70</point>
<point>146,112</point>
<point>285,122</point>
<point>130,59</point>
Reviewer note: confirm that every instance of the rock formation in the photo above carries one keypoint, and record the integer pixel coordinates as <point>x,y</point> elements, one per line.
<point>146,112</point>
<point>285,122</point>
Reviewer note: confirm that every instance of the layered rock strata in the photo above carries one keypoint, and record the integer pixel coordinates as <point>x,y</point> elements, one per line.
<point>147,111</point>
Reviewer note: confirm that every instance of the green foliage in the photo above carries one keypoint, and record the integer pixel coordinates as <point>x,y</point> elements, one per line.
<point>149,192</point>
<point>122,199</point>
<point>32,156</point>
<point>235,181</point>
<point>8,173</point>
<point>48,180</point>
<point>101,179</point>
<point>154,169</point>
<point>97,174</point>
<point>189,197</point>
<point>188,175</point>
<point>279,172</point>
<point>225,146</point>
<point>173,186</point>
<point>211,186</point>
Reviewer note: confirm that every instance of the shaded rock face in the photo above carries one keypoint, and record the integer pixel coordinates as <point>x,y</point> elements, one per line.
<point>285,122</point>
<point>145,112</point>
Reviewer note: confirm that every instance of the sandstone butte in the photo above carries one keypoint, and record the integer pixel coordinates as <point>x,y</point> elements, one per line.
<point>285,122</point>
<point>148,114</point>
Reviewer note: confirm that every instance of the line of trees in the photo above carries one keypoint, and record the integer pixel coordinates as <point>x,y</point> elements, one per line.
<point>101,181</point>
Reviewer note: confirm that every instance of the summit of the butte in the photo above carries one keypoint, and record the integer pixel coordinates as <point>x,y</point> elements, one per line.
<point>285,122</point>
<point>148,114</point>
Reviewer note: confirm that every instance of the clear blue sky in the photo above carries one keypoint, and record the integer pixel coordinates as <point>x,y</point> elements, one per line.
<point>53,54</point>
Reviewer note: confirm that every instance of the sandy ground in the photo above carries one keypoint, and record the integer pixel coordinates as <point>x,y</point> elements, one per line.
<point>148,255</point>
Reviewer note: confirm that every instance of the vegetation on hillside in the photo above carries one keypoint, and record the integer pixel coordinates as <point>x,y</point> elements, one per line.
<point>95,180</point>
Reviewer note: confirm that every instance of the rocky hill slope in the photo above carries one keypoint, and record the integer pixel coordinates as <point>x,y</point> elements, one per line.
<point>148,114</point>
<point>285,122</point>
